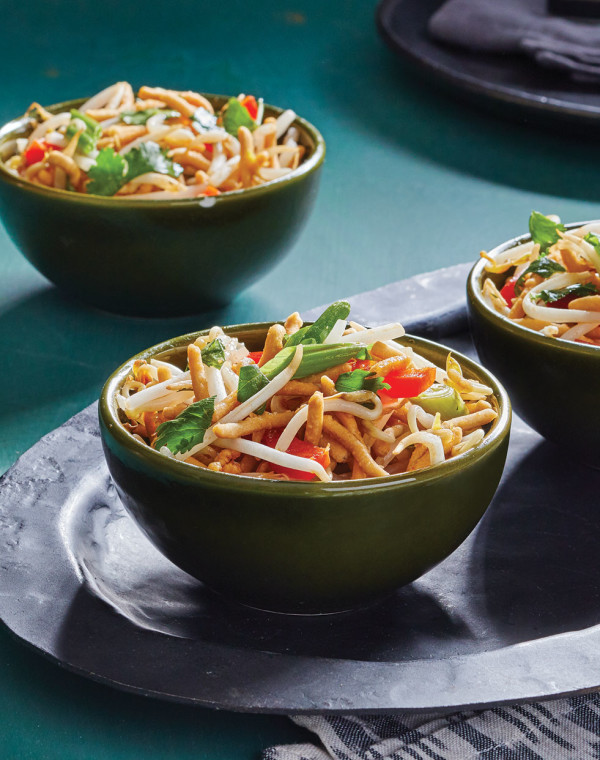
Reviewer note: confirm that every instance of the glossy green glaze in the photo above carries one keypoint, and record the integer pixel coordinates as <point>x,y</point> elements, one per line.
<point>158,258</point>
<point>552,383</point>
<point>296,546</point>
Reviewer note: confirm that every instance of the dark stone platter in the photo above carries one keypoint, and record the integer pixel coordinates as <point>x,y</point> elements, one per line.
<point>510,85</point>
<point>511,616</point>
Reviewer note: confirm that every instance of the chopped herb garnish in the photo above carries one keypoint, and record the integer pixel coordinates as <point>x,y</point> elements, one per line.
<point>111,170</point>
<point>360,380</point>
<point>150,157</point>
<point>213,355</point>
<point>544,231</point>
<point>188,428</point>
<point>593,241</point>
<point>89,137</point>
<point>141,117</point>
<point>321,327</point>
<point>315,359</point>
<point>544,267</point>
<point>235,115</point>
<point>577,290</point>
<point>107,174</point>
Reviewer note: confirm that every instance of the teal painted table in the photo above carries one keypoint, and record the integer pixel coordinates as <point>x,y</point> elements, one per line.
<point>413,181</point>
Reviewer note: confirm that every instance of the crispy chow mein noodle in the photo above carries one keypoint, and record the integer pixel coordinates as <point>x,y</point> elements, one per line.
<point>552,283</point>
<point>160,144</point>
<point>330,402</point>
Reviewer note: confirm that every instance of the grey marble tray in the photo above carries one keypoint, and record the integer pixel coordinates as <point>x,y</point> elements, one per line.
<point>511,616</point>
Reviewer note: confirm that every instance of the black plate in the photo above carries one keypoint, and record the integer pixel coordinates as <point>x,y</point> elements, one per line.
<point>512,85</point>
<point>511,616</point>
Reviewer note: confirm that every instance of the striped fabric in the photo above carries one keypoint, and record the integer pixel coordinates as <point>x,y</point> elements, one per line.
<point>563,729</point>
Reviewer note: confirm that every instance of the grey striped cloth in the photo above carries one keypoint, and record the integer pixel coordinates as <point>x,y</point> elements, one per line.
<point>562,729</point>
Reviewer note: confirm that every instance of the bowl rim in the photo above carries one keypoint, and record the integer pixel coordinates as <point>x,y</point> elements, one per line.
<point>162,464</point>
<point>308,166</point>
<point>475,296</point>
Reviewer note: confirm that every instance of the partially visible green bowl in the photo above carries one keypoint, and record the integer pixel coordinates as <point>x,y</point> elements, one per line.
<point>164,257</point>
<point>553,383</point>
<point>301,547</point>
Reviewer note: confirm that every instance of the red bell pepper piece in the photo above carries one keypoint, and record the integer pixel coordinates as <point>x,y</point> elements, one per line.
<point>508,291</point>
<point>250,104</point>
<point>407,383</point>
<point>37,150</point>
<point>210,190</point>
<point>255,356</point>
<point>34,153</point>
<point>299,449</point>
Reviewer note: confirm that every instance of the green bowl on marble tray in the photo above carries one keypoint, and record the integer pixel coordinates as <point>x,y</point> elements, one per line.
<point>158,257</point>
<point>302,547</point>
<point>552,383</point>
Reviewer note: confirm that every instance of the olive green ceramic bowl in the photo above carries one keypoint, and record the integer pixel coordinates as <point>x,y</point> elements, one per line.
<point>164,257</point>
<point>295,546</point>
<point>553,384</point>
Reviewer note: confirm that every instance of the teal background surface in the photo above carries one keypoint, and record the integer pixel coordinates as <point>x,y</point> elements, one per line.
<point>414,180</point>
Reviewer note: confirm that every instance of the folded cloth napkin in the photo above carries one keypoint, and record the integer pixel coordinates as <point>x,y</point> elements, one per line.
<point>563,729</point>
<point>521,26</point>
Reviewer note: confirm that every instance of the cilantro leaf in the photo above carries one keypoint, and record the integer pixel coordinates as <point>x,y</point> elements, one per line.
<point>107,174</point>
<point>544,267</point>
<point>235,115</point>
<point>89,137</point>
<point>111,170</point>
<point>577,290</point>
<point>544,231</point>
<point>203,120</point>
<point>150,157</point>
<point>141,117</point>
<point>188,428</point>
<point>360,380</point>
<point>213,355</point>
<point>321,327</point>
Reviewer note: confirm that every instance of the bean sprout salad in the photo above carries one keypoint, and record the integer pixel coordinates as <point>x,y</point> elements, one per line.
<point>325,401</point>
<point>550,284</point>
<point>160,144</point>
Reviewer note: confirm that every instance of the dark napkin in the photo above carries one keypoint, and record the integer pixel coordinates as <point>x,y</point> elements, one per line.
<point>521,27</point>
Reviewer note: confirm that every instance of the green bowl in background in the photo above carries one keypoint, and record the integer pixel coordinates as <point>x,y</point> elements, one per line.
<point>163,257</point>
<point>302,547</point>
<point>552,383</point>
